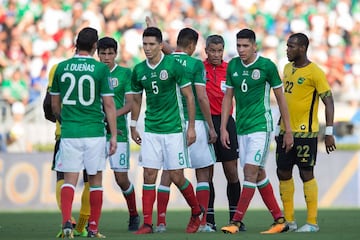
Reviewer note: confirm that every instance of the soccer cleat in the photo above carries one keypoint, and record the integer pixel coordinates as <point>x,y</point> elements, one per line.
<point>280,225</point>
<point>205,228</point>
<point>134,222</point>
<point>233,227</point>
<point>160,228</point>
<point>84,233</point>
<point>91,234</point>
<point>212,225</point>
<point>144,229</point>
<point>308,228</point>
<point>67,231</point>
<point>195,221</point>
<point>292,226</point>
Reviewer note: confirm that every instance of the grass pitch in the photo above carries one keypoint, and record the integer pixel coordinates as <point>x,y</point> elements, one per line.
<point>334,224</point>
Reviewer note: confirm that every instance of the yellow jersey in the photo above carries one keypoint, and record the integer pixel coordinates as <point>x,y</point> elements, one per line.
<point>303,89</point>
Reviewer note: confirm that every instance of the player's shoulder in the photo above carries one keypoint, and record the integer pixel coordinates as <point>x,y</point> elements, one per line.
<point>122,69</point>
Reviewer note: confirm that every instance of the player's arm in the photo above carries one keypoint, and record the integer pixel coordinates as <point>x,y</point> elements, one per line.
<point>127,106</point>
<point>328,101</point>
<point>109,107</point>
<point>135,112</point>
<point>56,106</point>
<point>225,113</point>
<point>205,109</point>
<point>288,141</point>
<point>190,104</point>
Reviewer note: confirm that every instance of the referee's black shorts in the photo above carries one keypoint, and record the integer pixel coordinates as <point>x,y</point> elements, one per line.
<point>224,154</point>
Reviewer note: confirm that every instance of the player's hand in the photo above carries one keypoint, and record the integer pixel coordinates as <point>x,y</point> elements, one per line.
<point>330,143</point>
<point>150,22</point>
<point>224,138</point>
<point>212,135</point>
<point>135,136</point>
<point>113,145</point>
<point>288,141</point>
<point>190,136</point>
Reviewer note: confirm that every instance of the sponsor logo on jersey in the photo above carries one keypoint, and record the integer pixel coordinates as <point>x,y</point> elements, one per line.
<point>153,75</point>
<point>255,74</point>
<point>164,75</point>
<point>143,78</point>
<point>235,74</point>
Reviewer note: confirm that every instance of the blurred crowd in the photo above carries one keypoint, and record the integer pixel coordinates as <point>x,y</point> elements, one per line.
<point>36,34</point>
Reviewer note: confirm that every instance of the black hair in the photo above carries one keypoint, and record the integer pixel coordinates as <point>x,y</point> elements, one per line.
<point>302,39</point>
<point>107,42</point>
<point>186,37</point>
<point>86,39</point>
<point>153,32</point>
<point>247,34</point>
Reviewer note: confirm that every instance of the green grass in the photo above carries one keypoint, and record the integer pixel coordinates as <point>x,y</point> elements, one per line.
<point>334,224</point>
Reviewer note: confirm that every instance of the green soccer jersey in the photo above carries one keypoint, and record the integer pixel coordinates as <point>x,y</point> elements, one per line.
<point>81,81</point>
<point>164,109</point>
<point>252,84</point>
<point>121,83</point>
<point>195,72</point>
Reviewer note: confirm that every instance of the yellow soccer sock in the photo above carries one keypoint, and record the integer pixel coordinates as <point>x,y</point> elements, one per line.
<point>287,190</point>
<point>84,209</point>
<point>58,192</point>
<point>311,199</point>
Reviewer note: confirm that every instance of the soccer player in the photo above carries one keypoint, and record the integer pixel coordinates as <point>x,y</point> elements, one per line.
<point>80,229</point>
<point>215,68</point>
<point>165,139</point>
<point>119,162</point>
<point>249,78</point>
<point>80,91</point>
<point>304,84</point>
<point>202,151</point>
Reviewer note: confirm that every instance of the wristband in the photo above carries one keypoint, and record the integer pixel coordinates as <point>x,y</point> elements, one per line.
<point>133,123</point>
<point>329,130</point>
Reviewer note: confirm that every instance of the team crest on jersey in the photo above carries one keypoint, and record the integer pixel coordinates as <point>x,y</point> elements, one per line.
<point>110,83</point>
<point>164,75</point>
<point>255,74</point>
<point>114,82</point>
<point>301,80</point>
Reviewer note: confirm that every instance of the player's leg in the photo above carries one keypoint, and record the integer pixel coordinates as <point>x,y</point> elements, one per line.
<point>127,188</point>
<point>233,188</point>
<point>71,168</point>
<point>250,152</point>
<point>203,195</point>
<point>80,229</point>
<point>94,163</point>
<point>210,214</point>
<point>120,164</point>
<point>285,163</point>
<point>163,196</point>
<point>151,159</point>
<point>187,190</point>
<point>310,187</point>
<point>265,187</point>
<point>202,157</point>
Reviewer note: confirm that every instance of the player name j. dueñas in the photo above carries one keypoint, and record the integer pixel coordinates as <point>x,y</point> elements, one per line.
<point>80,67</point>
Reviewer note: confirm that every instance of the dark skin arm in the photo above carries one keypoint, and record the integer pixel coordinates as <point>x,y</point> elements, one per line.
<point>329,117</point>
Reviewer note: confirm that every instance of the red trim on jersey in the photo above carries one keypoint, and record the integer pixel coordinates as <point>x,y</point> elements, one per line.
<point>214,76</point>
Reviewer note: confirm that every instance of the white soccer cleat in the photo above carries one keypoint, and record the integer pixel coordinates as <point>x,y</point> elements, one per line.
<point>205,228</point>
<point>292,226</point>
<point>309,228</point>
<point>160,228</point>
